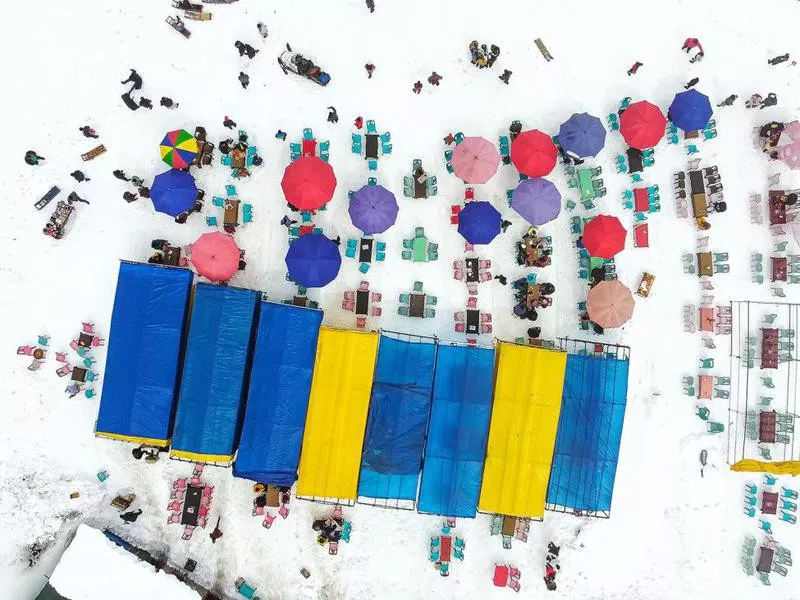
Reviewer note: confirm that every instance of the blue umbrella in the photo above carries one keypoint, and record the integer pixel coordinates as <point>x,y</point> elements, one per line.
<point>479,222</point>
<point>313,260</point>
<point>173,192</point>
<point>690,110</point>
<point>582,135</point>
<point>373,209</point>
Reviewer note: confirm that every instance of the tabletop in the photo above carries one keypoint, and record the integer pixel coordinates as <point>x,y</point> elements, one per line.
<point>780,268</point>
<point>85,340</point>
<point>641,235</point>
<point>641,200</point>
<point>300,301</point>
<point>500,578</point>
<point>699,205</point>
<point>777,210</point>
<point>172,256</point>
<point>309,147</point>
<point>446,548</point>
<point>416,305</point>
<point>371,145</point>
<point>706,319</point>
<point>420,187</point>
<point>365,250</point>
<point>509,525</point>
<point>585,184</point>
<point>635,160</point>
<point>473,269</point>
<point>532,295</point>
<point>765,556</point>
<point>191,505</point>
<point>769,503</point>
<point>238,159</point>
<point>767,427</point>
<point>705,386</point>
<point>696,184</point>
<point>362,302</point>
<point>473,321</point>
<point>78,374</point>
<point>231,215</point>
<point>705,264</point>
<point>419,249</point>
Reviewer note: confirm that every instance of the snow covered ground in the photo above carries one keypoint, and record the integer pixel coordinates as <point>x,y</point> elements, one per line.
<point>671,533</point>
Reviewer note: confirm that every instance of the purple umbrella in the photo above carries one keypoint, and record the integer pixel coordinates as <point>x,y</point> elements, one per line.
<point>536,200</point>
<point>373,209</point>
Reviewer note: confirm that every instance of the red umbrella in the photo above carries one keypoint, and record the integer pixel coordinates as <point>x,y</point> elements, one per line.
<point>533,153</point>
<point>642,125</point>
<point>604,236</point>
<point>308,183</point>
<point>215,256</point>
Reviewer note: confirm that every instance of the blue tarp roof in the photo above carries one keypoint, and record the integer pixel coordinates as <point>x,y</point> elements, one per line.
<point>458,431</point>
<point>211,395</point>
<point>277,400</point>
<point>589,433</point>
<point>141,373</point>
<point>398,418</point>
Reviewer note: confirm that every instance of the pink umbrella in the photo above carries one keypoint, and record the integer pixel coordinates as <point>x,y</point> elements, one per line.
<point>609,304</point>
<point>215,256</point>
<point>788,148</point>
<point>475,160</point>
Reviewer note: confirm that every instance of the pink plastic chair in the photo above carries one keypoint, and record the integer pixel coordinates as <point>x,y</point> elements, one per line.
<point>364,286</point>
<point>179,484</point>
<point>198,469</point>
<point>201,522</point>
<point>469,247</point>
<point>177,494</point>
<point>183,262</point>
<point>348,305</point>
<point>35,365</point>
<point>333,548</point>
<point>187,533</point>
<point>472,302</point>
<point>65,370</point>
<point>74,345</point>
<point>486,328</point>
<point>283,511</point>
<point>174,506</point>
<point>472,289</point>
<point>203,511</point>
<point>351,295</point>
<point>88,328</point>
<point>458,265</point>
<point>513,584</point>
<point>459,316</point>
<point>377,311</point>
<point>375,296</point>
<point>485,276</point>
<point>196,481</point>
<point>208,490</point>
<point>61,357</point>
<point>486,317</point>
<point>458,275</point>
<point>25,350</point>
<point>484,264</point>
<point>258,511</point>
<point>174,518</point>
<point>514,573</point>
<point>268,519</point>
<point>460,328</point>
<point>98,341</point>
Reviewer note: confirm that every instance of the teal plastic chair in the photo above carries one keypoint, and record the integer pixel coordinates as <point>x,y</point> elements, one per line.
<point>350,252</point>
<point>459,137</point>
<point>385,137</point>
<point>448,155</point>
<point>714,427</point>
<point>402,311</point>
<point>380,256</point>
<point>417,286</point>
<point>432,300</point>
<point>406,255</point>
<point>380,246</point>
<point>429,313</point>
<point>372,164</point>
<point>583,274</point>
<point>351,243</point>
<point>324,146</point>
<point>703,413</point>
<point>372,181</point>
<point>706,363</point>
<point>211,221</point>
<point>247,217</point>
<point>295,147</point>
<point>405,298</point>
<point>217,201</point>
<point>356,147</point>
<point>371,126</point>
<point>386,148</point>
<point>570,204</point>
<point>363,267</point>
<point>308,134</point>
<point>767,382</point>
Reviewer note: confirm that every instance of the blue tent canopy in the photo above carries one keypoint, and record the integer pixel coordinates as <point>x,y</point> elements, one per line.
<point>690,110</point>
<point>582,135</point>
<point>458,431</point>
<point>210,404</point>
<point>313,260</point>
<point>173,192</point>
<point>398,419</point>
<point>277,401</point>
<point>144,349</point>
<point>479,222</point>
<point>589,433</point>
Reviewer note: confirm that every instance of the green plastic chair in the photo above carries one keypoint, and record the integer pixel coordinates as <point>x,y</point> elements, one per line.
<point>703,413</point>
<point>689,391</point>
<point>714,427</point>
<point>722,380</point>
<point>706,363</point>
<point>432,300</point>
<point>429,313</point>
<point>406,254</point>
<point>786,333</point>
<point>722,394</point>
<point>405,298</point>
<point>419,232</point>
<point>211,221</point>
<point>768,383</point>
<point>408,243</point>
<point>402,311</point>
<point>570,205</point>
<point>417,286</point>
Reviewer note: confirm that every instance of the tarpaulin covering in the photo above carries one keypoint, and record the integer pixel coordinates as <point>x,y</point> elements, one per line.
<point>337,414</point>
<point>527,400</point>
<point>398,419</point>
<point>457,432</point>
<point>277,400</point>
<point>144,348</point>
<point>589,433</point>
<point>211,399</point>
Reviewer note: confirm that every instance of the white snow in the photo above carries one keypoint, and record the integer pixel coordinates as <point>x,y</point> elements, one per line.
<point>671,534</point>
<point>94,567</point>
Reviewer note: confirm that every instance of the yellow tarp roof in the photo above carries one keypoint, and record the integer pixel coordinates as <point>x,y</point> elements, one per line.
<point>522,435</point>
<point>330,459</point>
<point>787,467</point>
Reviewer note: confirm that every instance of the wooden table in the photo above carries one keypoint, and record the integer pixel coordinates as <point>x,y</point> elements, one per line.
<point>767,427</point>
<point>705,264</point>
<point>769,348</point>
<point>769,503</point>
<point>473,270</point>
<point>641,235</point>
<point>231,214</point>
<point>532,295</point>
<point>191,505</point>
<point>696,183</point>
<point>691,135</point>
<point>300,301</point>
<point>706,319</point>
<point>509,525</point>
<point>420,187</point>
<point>238,159</point>
<point>365,250</point>
<point>780,268</point>
<point>635,160</point>
<point>777,209</point>
<point>371,145</point>
<point>362,302</point>
<point>79,374</point>
<point>416,305</point>
<point>273,496</point>
<point>699,205</point>
<point>473,321</point>
<point>172,256</point>
<point>765,556</point>
<point>705,386</point>
<point>641,200</point>
<point>85,340</point>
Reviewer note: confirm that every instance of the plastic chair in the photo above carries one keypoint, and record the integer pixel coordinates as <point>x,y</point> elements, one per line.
<point>363,267</point>
<point>767,382</point>
<point>714,427</point>
<point>308,134</point>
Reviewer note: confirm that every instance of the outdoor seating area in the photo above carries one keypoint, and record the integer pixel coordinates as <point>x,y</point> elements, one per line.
<point>419,184</point>
<point>533,250</point>
<point>309,146</point>
<point>472,271</point>
<point>472,321</point>
<point>363,302</point>
<point>444,548</point>
<point>231,207</point>
<point>419,248</point>
<point>588,183</point>
<point>506,576</point>
<point>531,296</point>
<point>270,496</point>
<point>417,303</point>
<point>371,145</point>
<point>510,528</point>
<point>240,156</point>
<point>704,192</point>
<point>333,529</point>
<point>366,251</point>
<point>190,502</point>
<point>705,263</point>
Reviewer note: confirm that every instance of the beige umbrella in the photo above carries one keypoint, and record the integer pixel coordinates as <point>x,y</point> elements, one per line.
<point>610,304</point>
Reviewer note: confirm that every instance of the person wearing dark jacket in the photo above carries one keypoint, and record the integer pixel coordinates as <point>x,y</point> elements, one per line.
<point>435,78</point>
<point>228,122</point>
<point>417,87</point>
<point>728,101</point>
<point>145,103</point>
<point>370,68</point>
<point>505,225</point>
<point>131,516</point>
<point>505,76</point>
<point>88,132</point>
<point>691,83</point>
<point>371,5</point>
<point>79,176</point>
<point>770,100</point>
<point>502,279</point>
<point>120,174</point>
<point>168,102</point>
<point>144,191</point>
<point>333,116</point>
<point>240,47</point>
<point>244,79</point>
<point>73,197</point>
<point>216,534</point>
<point>634,68</point>
<point>778,59</point>
<point>135,79</point>
<point>128,196</point>
<point>32,158</point>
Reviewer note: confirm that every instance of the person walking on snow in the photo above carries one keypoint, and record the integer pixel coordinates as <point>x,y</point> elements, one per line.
<point>32,158</point>
<point>435,78</point>
<point>262,30</point>
<point>770,100</point>
<point>217,533</point>
<point>417,87</point>
<point>244,79</point>
<point>79,176</point>
<point>250,51</point>
<point>505,225</point>
<point>120,174</point>
<point>359,122</point>
<point>287,221</point>
<point>228,122</point>
<point>137,181</point>
<point>371,5</point>
<point>333,116</point>
<point>728,101</point>
<point>88,132</point>
<point>131,516</point>
<point>370,68</point>
<point>280,135</point>
<point>754,101</point>
<point>135,79</point>
<point>128,196</point>
<point>691,83</point>
<point>168,102</point>
<point>778,59</point>
<point>634,68</point>
<point>693,44</point>
<point>505,76</point>
<point>145,103</point>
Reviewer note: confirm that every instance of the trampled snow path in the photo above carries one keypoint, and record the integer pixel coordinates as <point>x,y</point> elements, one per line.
<point>671,534</point>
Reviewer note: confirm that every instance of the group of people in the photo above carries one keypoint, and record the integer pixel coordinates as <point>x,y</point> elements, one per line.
<point>138,184</point>
<point>533,251</point>
<point>482,56</point>
<point>551,566</point>
<point>526,309</point>
<point>136,84</point>
<point>328,529</point>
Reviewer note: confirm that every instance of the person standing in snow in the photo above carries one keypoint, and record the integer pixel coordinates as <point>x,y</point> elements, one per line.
<point>240,47</point>
<point>137,181</point>
<point>770,100</point>
<point>128,196</point>
<point>634,68</point>
<point>228,122</point>
<point>333,116</point>
<point>371,5</point>
<point>281,135</point>
<point>244,79</point>
<point>217,533</point>
<point>417,87</point>
<point>88,132</point>
<point>250,51</point>
<point>262,30</point>
<point>692,44</point>
<point>370,68</point>
<point>168,102</point>
<point>502,279</point>
<point>32,158</point>
<point>144,191</point>
<point>120,174</point>
<point>505,225</point>
<point>131,516</point>
<point>778,59</point>
<point>505,76</point>
<point>359,122</point>
<point>135,79</point>
<point>728,101</point>
<point>287,221</point>
<point>145,103</point>
<point>435,78</point>
<point>754,101</point>
<point>691,83</point>
<point>73,198</point>
<point>79,176</point>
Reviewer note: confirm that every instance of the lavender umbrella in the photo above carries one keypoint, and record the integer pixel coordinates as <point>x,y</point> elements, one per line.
<point>536,200</point>
<point>373,209</point>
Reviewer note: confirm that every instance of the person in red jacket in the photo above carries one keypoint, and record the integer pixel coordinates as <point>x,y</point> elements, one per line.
<point>693,44</point>
<point>634,68</point>
<point>417,87</point>
<point>370,68</point>
<point>359,122</point>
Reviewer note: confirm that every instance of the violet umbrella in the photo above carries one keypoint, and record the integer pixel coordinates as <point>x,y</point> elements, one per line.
<point>610,304</point>
<point>536,200</point>
<point>373,209</point>
<point>215,256</point>
<point>475,160</point>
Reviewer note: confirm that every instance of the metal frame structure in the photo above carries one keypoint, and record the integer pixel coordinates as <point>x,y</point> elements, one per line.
<point>747,318</point>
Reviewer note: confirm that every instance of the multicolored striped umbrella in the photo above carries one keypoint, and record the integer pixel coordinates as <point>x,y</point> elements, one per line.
<point>178,149</point>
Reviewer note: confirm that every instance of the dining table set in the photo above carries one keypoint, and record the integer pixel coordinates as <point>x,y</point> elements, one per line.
<point>231,207</point>
<point>190,502</point>
<point>309,146</point>
<point>472,321</point>
<point>362,302</point>
<point>417,303</point>
<point>419,184</point>
<point>419,248</point>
